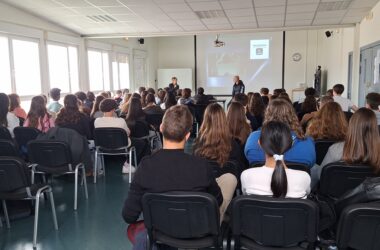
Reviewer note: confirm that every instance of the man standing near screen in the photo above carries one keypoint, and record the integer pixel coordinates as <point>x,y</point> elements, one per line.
<point>173,86</point>
<point>238,87</point>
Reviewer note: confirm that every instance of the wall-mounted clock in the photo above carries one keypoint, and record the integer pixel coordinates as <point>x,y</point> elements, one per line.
<point>297,57</point>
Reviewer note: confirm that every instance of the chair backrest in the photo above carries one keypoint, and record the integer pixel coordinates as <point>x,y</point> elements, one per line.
<point>339,177</point>
<point>4,133</point>
<point>110,138</point>
<point>49,153</point>
<point>13,174</point>
<point>199,110</point>
<point>348,115</point>
<point>274,222</point>
<point>181,215</point>
<point>8,148</point>
<point>290,165</point>
<point>23,135</point>
<point>140,129</point>
<point>321,148</point>
<point>154,119</point>
<point>359,227</point>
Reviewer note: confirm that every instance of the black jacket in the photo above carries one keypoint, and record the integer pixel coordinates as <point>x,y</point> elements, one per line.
<point>238,88</point>
<point>165,171</point>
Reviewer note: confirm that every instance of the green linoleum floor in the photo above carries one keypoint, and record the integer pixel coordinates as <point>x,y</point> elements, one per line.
<point>96,225</point>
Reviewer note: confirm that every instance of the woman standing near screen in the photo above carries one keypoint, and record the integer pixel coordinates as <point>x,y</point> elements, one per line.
<point>238,87</point>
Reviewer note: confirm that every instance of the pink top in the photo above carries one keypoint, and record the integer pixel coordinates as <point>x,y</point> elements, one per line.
<point>45,125</point>
<point>20,112</point>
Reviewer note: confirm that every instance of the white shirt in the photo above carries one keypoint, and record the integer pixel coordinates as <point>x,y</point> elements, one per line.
<point>345,104</point>
<point>112,122</point>
<point>13,122</point>
<point>258,181</point>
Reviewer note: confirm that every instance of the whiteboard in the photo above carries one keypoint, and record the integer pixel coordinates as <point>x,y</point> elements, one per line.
<point>184,76</point>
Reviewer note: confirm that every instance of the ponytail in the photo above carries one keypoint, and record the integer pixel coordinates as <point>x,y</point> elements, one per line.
<point>279,183</point>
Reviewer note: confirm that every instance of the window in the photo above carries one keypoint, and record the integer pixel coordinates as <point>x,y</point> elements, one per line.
<point>63,67</point>
<point>5,67</point>
<point>98,70</point>
<point>26,67</point>
<point>120,72</point>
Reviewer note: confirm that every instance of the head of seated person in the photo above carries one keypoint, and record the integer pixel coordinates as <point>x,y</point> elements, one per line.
<point>329,123</point>
<point>373,101</point>
<point>38,116</point>
<point>176,127</point>
<point>310,92</point>
<point>256,105</point>
<point>309,105</point>
<point>237,122</point>
<point>95,113</point>
<point>108,107</point>
<point>150,100</point>
<point>285,96</point>
<point>241,98</point>
<point>264,91</point>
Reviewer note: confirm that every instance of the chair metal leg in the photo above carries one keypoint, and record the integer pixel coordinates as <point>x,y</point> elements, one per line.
<point>1,222</point>
<point>36,212</point>
<point>5,210</point>
<point>96,165</point>
<point>135,155</point>
<point>53,210</point>
<point>103,166</point>
<point>76,189</point>
<point>32,177</point>
<point>130,165</point>
<point>85,182</point>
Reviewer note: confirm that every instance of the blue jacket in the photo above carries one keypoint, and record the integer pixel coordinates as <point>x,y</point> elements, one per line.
<point>302,151</point>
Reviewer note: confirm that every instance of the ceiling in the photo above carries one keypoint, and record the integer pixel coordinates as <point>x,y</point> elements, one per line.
<point>155,17</point>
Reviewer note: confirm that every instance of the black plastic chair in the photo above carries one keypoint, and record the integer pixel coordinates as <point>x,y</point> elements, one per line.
<point>290,165</point>
<point>348,115</point>
<point>358,227</point>
<point>339,177</point>
<point>154,120</point>
<point>15,185</point>
<point>54,157</point>
<point>8,148</point>
<point>112,141</point>
<point>260,222</point>
<point>321,148</point>
<point>5,134</point>
<point>182,220</point>
<point>23,135</point>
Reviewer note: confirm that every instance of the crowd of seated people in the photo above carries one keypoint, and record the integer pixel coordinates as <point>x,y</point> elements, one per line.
<point>261,129</point>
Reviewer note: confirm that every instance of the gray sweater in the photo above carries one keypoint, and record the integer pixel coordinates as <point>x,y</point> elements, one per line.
<point>334,154</point>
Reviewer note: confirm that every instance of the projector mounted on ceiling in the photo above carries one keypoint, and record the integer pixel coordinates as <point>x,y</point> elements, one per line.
<point>218,43</point>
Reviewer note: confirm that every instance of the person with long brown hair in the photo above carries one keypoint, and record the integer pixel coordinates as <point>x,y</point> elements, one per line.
<point>125,106</point>
<point>237,122</point>
<point>215,144</point>
<point>302,150</point>
<point>7,119</point>
<point>362,143</point>
<point>330,123</point>
<point>15,106</point>
<point>38,116</point>
<point>70,117</point>
<point>256,108</point>
<point>96,113</point>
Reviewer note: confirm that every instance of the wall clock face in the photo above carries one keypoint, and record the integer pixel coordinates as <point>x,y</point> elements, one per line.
<point>297,57</point>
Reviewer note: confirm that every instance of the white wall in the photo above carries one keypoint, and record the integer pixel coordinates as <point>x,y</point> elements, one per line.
<point>369,28</point>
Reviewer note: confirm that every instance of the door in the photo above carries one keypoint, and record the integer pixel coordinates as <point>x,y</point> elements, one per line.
<point>366,74</point>
<point>349,87</point>
<point>375,86</point>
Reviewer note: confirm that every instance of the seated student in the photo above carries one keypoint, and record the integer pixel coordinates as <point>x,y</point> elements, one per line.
<point>151,107</point>
<point>125,93</point>
<point>308,117</point>
<point>345,103</point>
<point>264,92</point>
<point>274,178</point>
<point>96,113</point>
<point>55,95</point>
<point>15,107</point>
<point>135,114</point>
<point>302,150</point>
<point>89,102</point>
<point>200,98</point>
<point>373,103</point>
<point>169,101</point>
<point>256,108</point>
<point>308,106</point>
<point>118,97</point>
<point>243,100</point>
<point>38,116</point>
<point>125,106</point>
<point>143,94</point>
<point>185,98</point>
<point>362,143</point>
<point>7,119</point>
<point>70,117</point>
<point>82,97</point>
<point>170,169</point>
<point>285,96</point>
<point>329,123</point>
<point>160,97</point>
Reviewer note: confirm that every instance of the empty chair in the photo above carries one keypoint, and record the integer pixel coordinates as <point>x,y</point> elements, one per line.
<point>15,185</point>
<point>5,134</point>
<point>358,227</point>
<point>112,141</point>
<point>182,219</point>
<point>54,157</point>
<point>23,135</point>
<point>8,148</point>
<point>339,177</point>
<point>290,165</point>
<point>321,148</point>
<point>260,222</point>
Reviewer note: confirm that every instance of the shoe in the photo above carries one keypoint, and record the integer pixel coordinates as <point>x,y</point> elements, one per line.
<point>126,168</point>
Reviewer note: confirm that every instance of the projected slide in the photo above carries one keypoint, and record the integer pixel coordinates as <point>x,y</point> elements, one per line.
<point>256,58</point>
<point>259,49</point>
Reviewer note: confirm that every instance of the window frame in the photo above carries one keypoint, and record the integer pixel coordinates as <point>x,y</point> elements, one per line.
<point>115,55</point>
<point>101,51</point>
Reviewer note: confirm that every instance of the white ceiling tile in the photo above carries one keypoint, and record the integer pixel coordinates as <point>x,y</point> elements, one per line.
<point>301,2</point>
<point>300,16</point>
<point>116,10</point>
<point>244,25</point>
<point>327,21</point>
<point>274,10</point>
<point>270,24</point>
<point>73,3</point>
<point>89,11</point>
<point>265,3</point>
<point>202,6</point>
<point>330,14</point>
<point>171,28</point>
<point>358,12</point>
<point>239,12</point>
<point>218,26</point>
<point>236,4</point>
<point>104,3</point>
<point>182,15</point>
<point>194,28</point>
<point>125,18</point>
<point>215,21</point>
<point>352,19</point>
<point>191,22</point>
<point>269,18</point>
<point>175,7</point>
<point>298,22</point>
<point>242,19</point>
<point>301,8</point>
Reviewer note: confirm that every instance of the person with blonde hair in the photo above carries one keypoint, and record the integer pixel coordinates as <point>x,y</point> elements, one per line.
<point>302,150</point>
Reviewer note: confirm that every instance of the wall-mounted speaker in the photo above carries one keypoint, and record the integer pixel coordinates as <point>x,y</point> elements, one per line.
<point>328,33</point>
<point>141,40</point>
